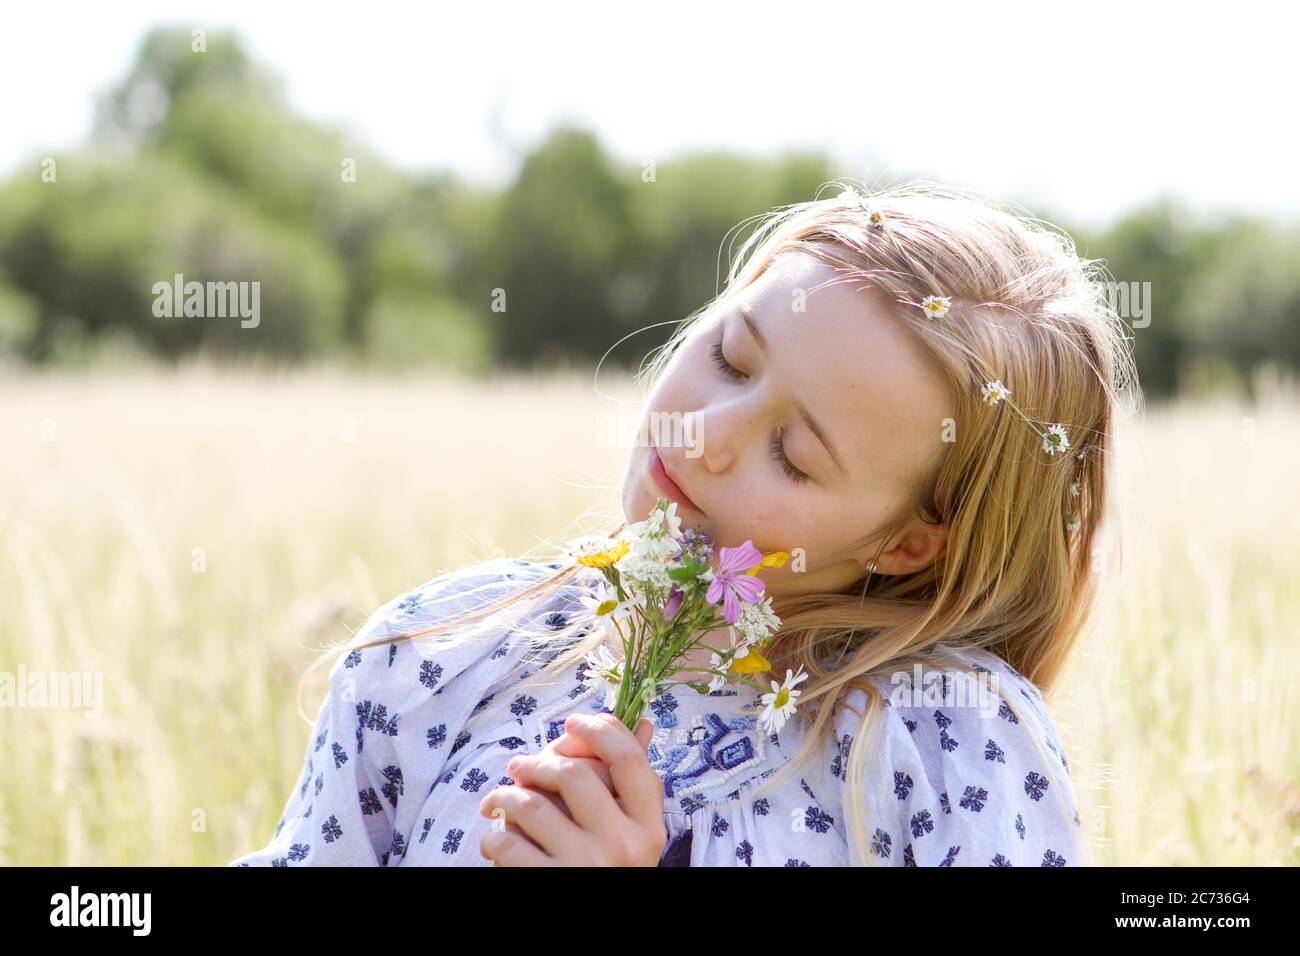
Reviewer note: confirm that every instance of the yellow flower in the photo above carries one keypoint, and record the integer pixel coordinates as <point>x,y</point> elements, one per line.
<point>603,559</point>
<point>752,663</point>
<point>773,559</point>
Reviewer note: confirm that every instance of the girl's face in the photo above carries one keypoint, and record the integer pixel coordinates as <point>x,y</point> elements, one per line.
<point>802,416</point>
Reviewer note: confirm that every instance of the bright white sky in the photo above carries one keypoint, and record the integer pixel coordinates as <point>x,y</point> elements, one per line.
<point>1079,108</point>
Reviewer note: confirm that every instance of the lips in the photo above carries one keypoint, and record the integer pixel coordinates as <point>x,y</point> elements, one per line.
<point>659,472</point>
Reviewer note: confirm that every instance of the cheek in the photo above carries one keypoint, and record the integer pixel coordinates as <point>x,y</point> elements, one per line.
<point>766,512</point>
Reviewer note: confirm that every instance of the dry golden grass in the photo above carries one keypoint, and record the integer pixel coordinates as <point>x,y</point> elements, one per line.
<point>1184,742</point>
<point>316,495</point>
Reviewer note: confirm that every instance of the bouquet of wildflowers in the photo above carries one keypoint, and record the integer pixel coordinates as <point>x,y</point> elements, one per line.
<point>660,596</point>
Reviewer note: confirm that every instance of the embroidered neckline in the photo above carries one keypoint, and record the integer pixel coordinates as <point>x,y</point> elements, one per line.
<point>722,746</point>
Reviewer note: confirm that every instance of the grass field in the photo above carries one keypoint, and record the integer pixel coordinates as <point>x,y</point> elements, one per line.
<point>196,536</point>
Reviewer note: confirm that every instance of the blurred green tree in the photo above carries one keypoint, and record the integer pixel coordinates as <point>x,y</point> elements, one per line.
<point>198,165</point>
<point>1157,244</point>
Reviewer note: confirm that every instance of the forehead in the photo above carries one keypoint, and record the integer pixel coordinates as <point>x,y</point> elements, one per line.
<point>874,387</point>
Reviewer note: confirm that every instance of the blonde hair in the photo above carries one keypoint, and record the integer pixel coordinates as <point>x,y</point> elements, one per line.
<point>1016,578</point>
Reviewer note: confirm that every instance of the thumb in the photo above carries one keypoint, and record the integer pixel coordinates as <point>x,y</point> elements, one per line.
<point>644,731</point>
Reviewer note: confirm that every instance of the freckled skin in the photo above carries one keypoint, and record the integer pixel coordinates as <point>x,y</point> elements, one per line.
<point>874,390</point>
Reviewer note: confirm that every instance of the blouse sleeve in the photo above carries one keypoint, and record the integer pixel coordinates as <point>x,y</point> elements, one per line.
<point>345,809</point>
<point>964,785</point>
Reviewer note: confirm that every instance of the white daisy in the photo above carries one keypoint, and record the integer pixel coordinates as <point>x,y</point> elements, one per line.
<point>1055,440</point>
<point>994,391</point>
<point>875,216</point>
<point>936,306</point>
<point>604,607</point>
<point>780,703</point>
<point>606,665</point>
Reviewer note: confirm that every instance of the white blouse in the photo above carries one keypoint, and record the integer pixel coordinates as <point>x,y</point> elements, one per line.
<point>412,735</point>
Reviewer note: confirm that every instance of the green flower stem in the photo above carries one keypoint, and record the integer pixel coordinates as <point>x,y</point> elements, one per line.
<point>650,658</point>
<point>1032,423</point>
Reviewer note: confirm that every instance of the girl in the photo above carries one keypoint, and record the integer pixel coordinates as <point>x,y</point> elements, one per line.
<point>915,393</point>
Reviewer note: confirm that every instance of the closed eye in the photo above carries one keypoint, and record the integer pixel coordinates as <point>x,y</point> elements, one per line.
<point>727,369</point>
<point>778,452</point>
<point>777,445</point>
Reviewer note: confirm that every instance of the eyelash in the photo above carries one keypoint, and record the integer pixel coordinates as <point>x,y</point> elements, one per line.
<point>776,445</point>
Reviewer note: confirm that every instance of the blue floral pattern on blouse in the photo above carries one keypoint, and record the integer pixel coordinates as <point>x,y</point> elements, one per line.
<point>411,737</point>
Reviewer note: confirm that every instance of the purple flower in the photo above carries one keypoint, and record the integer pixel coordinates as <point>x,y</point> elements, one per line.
<point>698,544</point>
<point>674,602</point>
<point>732,583</point>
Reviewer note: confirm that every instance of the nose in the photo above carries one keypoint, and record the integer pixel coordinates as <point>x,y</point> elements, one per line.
<point>724,429</point>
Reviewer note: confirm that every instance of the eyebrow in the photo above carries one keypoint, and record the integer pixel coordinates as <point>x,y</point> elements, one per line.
<point>747,313</point>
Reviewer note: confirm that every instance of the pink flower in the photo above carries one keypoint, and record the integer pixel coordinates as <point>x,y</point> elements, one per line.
<point>732,584</point>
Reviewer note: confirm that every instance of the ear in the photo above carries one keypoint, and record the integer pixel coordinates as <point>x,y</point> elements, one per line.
<point>920,546</point>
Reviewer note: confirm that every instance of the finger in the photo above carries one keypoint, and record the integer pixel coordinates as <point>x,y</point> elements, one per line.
<point>589,798</point>
<point>553,797</point>
<point>498,813</point>
<point>539,818</point>
<point>568,745</point>
<point>519,769</point>
<point>576,746</point>
<point>510,848</point>
<point>639,788</point>
<point>499,821</point>
<point>571,746</point>
<point>644,731</point>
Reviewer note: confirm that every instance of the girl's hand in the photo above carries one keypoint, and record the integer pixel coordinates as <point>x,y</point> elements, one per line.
<point>569,809</point>
<point>566,745</point>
